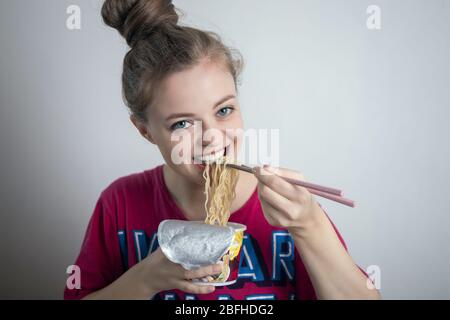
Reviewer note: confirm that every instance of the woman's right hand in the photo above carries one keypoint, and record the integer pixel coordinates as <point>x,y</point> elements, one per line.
<point>158,273</point>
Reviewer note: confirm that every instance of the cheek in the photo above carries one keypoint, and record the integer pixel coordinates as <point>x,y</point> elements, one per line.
<point>235,135</point>
<point>176,148</point>
<point>236,121</point>
<point>166,151</point>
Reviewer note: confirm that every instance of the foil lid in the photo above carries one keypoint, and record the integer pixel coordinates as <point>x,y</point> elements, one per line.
<point>194,243</point>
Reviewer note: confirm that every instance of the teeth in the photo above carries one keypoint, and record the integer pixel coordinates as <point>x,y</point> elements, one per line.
<point>211,157</point>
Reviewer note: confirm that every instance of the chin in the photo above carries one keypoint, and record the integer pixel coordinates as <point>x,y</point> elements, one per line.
<point>191,172</point>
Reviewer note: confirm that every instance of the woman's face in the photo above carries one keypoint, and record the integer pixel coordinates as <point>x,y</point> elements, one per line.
<point>196,113</point>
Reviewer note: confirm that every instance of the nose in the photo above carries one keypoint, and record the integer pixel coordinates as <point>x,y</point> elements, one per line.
<point>213,137</point>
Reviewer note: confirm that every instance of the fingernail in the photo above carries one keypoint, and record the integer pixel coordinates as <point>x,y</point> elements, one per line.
<point>268,168</point>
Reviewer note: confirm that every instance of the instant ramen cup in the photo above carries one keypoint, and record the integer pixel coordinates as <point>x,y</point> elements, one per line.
<point>195,244</point>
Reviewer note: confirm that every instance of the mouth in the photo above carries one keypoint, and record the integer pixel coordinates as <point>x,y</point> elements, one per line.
<point>211,158</point>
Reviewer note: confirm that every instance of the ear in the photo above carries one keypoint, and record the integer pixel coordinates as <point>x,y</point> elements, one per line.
<point>142,128</point>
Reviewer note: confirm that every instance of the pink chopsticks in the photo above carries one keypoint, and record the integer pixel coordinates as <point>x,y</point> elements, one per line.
<point>321,191</point>
<point>318,190</point>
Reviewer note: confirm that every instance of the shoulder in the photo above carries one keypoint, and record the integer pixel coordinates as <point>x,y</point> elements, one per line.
<point>131,185</point>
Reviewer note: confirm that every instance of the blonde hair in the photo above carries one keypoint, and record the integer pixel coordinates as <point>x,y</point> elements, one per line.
<point>161,46</point>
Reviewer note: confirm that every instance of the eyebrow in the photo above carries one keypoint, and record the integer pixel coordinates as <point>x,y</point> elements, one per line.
<point>181,115</point>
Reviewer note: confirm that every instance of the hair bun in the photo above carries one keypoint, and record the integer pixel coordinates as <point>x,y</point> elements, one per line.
<point>135,19</point>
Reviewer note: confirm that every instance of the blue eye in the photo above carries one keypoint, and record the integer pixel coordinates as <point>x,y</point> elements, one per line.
<point>183,124</point>
<point>225,111</point>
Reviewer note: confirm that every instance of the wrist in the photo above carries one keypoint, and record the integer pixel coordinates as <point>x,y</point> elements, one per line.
<point>315,221</point>
<point>141,281</point>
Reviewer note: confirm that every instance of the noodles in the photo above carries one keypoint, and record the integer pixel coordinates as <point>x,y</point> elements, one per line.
<point>220,184</point>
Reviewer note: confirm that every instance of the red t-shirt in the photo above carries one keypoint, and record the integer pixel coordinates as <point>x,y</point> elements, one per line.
<point>122,231</point>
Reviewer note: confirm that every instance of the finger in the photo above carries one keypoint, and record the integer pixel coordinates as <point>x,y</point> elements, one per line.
<point>270,213</point>
<point>190,287</point>
<point>276,183</point>
<point>276,200</point>
<point>292,174</point>
<point>203,271</point>
<point>288,173</point>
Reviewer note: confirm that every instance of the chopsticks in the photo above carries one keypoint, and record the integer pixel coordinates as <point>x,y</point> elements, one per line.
<point>318,190</point>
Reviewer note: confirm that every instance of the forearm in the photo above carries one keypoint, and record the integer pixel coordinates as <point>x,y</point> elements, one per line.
<point>126,287</point>
<point>332,271</point>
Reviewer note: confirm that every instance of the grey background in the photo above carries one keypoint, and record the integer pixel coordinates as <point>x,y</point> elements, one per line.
<point>360,109</point>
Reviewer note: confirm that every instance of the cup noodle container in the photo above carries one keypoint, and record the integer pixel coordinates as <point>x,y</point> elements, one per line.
<point>194,244</point>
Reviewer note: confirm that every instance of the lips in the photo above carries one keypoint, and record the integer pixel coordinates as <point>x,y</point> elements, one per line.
<point>212,157</point>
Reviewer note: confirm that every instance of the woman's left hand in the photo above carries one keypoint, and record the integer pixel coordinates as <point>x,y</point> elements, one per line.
<point>284,204</point>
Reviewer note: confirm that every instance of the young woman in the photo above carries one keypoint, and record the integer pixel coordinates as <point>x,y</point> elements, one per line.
<point>174,77</point>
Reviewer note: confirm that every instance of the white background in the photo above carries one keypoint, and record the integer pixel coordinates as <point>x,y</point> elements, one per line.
<point>364,110</point>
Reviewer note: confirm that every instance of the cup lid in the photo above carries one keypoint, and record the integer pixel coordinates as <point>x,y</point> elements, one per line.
<point>194,243</point>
